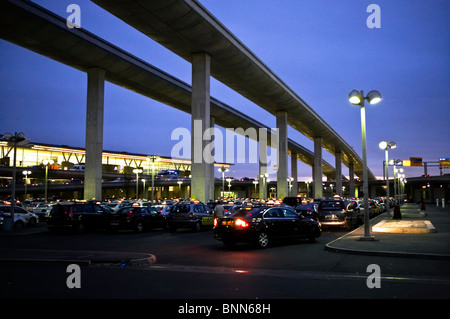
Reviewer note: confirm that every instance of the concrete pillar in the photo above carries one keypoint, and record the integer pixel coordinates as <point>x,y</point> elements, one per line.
<point>317,171</point>
<point>294,189</point>
<point>211,166</point>
<point>338,157</point>
<point>200,110</point>
<point>282,171</point>
<point>94,134</point>
<point>262,166</point>
<point>351,172</point>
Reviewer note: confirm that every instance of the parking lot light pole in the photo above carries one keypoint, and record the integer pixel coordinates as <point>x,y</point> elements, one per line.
<point>385,146</point>
<point>357,98</point>
<point>46,164</point>
<point>14,140</point>
<point>137,171</point>
<point>26,173</point>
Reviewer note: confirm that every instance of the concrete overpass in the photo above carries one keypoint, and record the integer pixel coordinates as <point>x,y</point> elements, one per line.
<point>39,30</point>
<point>188,29</point>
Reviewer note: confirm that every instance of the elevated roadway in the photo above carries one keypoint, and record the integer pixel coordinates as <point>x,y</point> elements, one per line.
<point>37,29</point>
<point>186,27</point>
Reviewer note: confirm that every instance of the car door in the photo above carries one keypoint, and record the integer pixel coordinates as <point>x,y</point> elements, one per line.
<point>294,226</point>
<point>275,222</point>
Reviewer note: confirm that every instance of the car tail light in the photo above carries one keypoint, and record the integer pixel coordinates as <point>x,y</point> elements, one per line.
<point>241,223</point>
<point>215,222</point>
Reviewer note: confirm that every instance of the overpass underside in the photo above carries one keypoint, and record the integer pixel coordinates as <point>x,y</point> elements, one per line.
<point>28,25</point>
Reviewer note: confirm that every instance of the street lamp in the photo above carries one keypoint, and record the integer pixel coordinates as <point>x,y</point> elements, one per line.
<point>153,158</point>
<point>145,191</point>
<point>385,146</point>
<point>223,169</point>
<point>46,164</point>
<point>229,184</point>
<point>179,187</point>
<point>137,171</point>
<point>255,183</point>
<point>26,173</point>
<point>357,98</point>
<point>14,140</point>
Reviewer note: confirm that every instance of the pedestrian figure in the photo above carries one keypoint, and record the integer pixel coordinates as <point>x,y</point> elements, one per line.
<point>218,210</point>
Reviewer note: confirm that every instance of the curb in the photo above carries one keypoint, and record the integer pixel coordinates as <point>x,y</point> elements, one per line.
<point>86,258</point>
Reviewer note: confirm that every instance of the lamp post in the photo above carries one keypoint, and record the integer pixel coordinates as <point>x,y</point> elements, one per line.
<point>14,140</point>
<point>357,98</point>
<point>137,171</point>
<point>223,169</point>
<point>179,187</point>
<point>145,191</point>
<point>26,173</point>
<point>46,164</point>
<point>385,146</point>
<point>153,158</point>
<point>255,183</point>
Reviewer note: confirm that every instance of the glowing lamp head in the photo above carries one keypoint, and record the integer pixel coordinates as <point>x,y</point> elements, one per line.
<point>355,97</point>
<point>373,97</point>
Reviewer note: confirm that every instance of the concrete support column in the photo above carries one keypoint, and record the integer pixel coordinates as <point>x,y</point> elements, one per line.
<point>211,166</point>
<point>200,110</point>
<point>282,171</point>
<point>294,189</point>
<point>94,134</point>
<point>317,171</point>
<point>351,172</point>
<point>263,166</point>
<point>338,157</point>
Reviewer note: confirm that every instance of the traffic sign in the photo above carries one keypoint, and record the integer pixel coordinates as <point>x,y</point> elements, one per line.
<point>416,161</point>
<point>444,162</point>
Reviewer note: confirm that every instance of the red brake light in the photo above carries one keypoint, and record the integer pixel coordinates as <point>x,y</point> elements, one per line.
<point>241,223</point>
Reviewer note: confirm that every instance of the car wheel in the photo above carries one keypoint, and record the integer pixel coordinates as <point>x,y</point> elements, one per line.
<point>197,227</point>
<point>80,228</point>
<point>139,227</point>
<point>262,240</point>
<point>32,222</point>
<point>19,225</point>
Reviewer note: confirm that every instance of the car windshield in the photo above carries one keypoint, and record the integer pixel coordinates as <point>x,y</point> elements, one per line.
<point>332,205</point>
<point>180,208</point>
<point>252,213</point>
<point>126,210</point>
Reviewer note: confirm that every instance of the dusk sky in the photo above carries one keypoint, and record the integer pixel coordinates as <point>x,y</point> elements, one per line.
<point>321,49</point>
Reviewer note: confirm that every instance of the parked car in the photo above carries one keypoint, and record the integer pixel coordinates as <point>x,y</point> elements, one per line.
<point>260,225</point>
<point>339,212</point>
<point>308,210</point>
<point>190,215</point>
<point>78,217</point>
<point>43,210</point>
<point>137,218</point>
<point>22,217</point>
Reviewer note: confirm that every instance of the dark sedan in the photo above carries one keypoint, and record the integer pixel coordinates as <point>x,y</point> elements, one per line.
<point>137,219</point>
<point>261,225</point>
<point>339,212</point>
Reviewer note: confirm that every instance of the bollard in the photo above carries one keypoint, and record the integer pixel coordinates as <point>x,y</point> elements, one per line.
<point>437,202</point>
<point>443,202</point>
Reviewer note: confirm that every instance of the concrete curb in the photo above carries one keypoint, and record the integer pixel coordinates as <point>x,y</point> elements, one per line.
<point>86,258</point>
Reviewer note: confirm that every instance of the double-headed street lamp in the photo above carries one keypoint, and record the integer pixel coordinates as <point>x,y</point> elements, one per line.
<point>385,146</point>
<point>357,98</point>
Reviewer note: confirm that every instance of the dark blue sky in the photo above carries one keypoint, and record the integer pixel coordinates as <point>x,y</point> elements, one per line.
<point>322,49</point>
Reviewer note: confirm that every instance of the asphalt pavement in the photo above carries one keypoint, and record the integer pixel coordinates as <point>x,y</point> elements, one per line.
<point>419,234</point>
